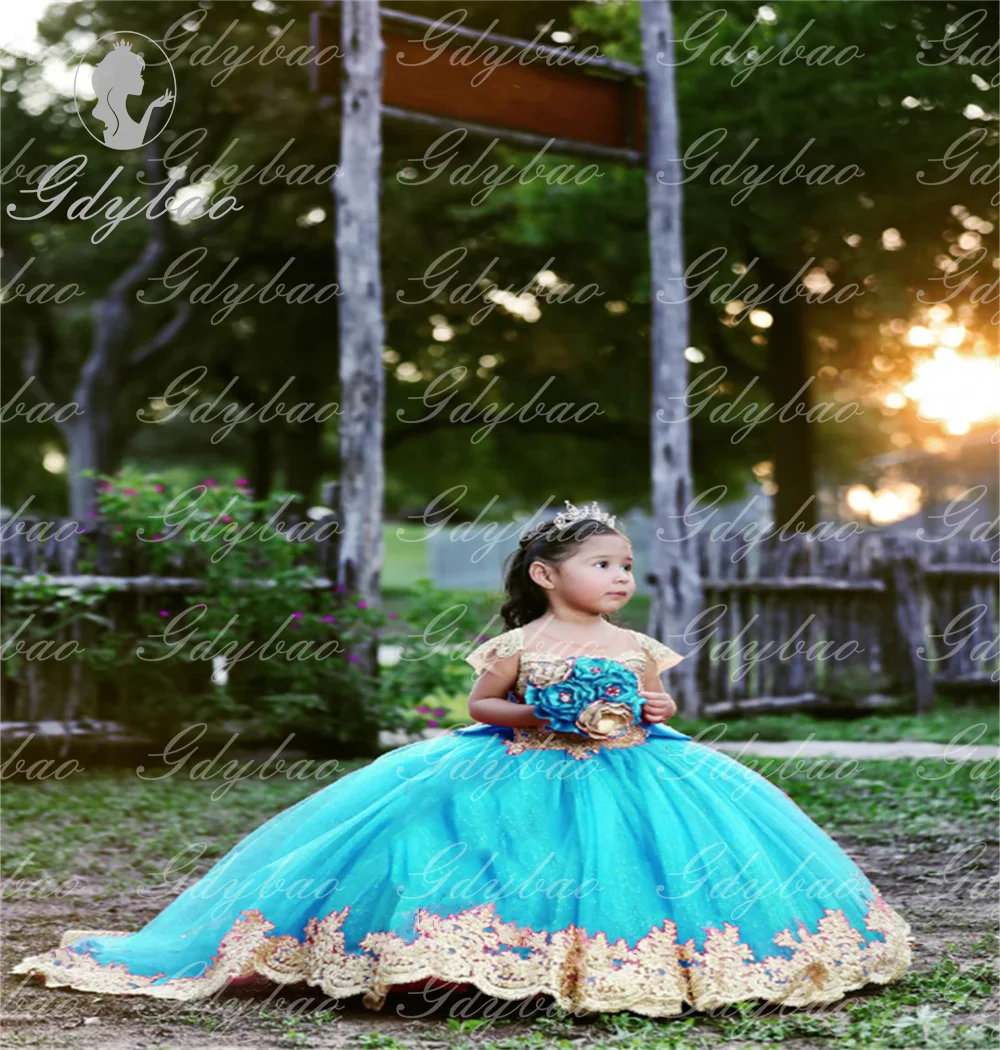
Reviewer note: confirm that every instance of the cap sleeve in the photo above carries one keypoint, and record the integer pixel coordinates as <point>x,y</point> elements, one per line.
<point>503,645</point>
<point>662,657</point>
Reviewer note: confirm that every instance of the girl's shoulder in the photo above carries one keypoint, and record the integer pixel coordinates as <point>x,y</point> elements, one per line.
<point>499,647</point>
<point>661,656</point>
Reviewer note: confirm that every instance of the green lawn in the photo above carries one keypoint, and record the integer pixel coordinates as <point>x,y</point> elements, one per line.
<point>405,559</point>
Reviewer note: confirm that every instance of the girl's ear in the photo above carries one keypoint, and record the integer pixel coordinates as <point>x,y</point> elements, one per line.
<point>540,573</point>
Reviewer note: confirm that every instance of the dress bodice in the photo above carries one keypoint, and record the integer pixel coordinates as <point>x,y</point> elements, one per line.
<point>541,668</point>
<point>544,667</point>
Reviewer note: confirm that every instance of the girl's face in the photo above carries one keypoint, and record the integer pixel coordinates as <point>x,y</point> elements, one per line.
<point>597,576</point>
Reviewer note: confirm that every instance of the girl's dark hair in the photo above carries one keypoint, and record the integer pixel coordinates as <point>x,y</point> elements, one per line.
<point>526,601</point>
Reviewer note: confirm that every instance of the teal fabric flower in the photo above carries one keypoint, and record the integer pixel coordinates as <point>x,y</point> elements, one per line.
<point>600,699</point>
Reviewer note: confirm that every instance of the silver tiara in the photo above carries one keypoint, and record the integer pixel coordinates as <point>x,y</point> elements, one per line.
<point>566,517</point>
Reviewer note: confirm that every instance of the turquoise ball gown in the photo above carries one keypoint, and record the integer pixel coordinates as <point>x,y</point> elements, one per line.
<point>635,870</point>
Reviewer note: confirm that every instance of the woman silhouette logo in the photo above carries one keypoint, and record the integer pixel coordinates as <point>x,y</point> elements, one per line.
<point>118,75</point>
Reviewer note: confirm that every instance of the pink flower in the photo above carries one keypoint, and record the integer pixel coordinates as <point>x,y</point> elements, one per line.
<point>227,517</point>
<point>164,612</point>
<point>440,711</point>
<point>158,536</point>
<point>432,721</point>
<point>298,615</point>
<point>91,513</point>
<point>157,488</point>
<point>362,605</point>
<point>210,483</point>
<point>241,481</point>
<point>105,486</point>
<point>393,616</point>
<point>482,638</point>
<point>354,658</point>
<point>423,709</point>
<point>340,589</point>
<point>329,619</point>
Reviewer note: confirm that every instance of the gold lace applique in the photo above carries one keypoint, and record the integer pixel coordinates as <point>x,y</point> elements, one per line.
<point>582,972</point>
<point>663,656</point>
<point>499,648</point>
<point>575,744</point>
<point>544,669</point>
<point>822,967</point>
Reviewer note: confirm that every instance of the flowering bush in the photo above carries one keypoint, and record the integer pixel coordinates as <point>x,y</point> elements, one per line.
<point>439,628</point>
<point>254,639</point>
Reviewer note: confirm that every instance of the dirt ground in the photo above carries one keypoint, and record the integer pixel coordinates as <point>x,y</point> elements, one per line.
<point>946,913</point>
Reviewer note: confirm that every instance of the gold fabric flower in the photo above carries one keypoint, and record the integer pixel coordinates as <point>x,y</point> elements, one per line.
<point>604,720</point>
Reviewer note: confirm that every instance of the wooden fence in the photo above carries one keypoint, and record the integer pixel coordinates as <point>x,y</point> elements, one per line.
<point>55,702</point>
<point>788,623</point>
<point>902,613</point>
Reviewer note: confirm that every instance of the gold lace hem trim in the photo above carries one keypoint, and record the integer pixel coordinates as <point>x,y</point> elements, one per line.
<point>583,973</point>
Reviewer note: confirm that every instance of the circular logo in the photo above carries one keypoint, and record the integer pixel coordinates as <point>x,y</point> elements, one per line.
<point>115,67</point>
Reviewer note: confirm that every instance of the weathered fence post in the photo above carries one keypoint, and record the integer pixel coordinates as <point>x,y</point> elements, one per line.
<point>908,597</point>
<point>361,322</point>
<point>675,571</point>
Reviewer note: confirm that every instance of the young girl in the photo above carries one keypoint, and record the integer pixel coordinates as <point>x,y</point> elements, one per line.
<point>571,844</point>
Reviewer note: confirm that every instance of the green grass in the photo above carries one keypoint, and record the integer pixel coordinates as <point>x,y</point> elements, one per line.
<point>90,825</point>
<point>405,559</point>
<point>931,799</point>
<point>964,724</point>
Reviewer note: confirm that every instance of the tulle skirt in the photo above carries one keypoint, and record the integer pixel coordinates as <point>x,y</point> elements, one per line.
<point>641,874</point>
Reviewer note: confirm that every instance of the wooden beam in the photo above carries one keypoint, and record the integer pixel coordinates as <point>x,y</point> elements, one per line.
<point>794,584</point>
<point>516,138</point>
<point>612,66</point>
<point>598,102</point>
<point>149,584</point>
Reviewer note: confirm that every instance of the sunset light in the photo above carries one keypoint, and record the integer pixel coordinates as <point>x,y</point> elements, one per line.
<point>955,389</point>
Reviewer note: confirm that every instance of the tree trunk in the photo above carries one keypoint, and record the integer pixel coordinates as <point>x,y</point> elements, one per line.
<point>360,322</point>
<point>303,452</point>
<point>676,597</point>
<point>787,371</point>
<point>360,319</point>
<point>111,357</point>
<point>84,452</point>
<point>261,461</point>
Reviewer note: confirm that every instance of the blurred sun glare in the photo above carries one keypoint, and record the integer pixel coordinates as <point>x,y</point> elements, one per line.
<point>19,31</point>
<point>955,389</point>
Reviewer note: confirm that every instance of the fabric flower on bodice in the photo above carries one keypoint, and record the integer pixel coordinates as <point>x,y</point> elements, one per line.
<point>599,699</point>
